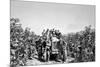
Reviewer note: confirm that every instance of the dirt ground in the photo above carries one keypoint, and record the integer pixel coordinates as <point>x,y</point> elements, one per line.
<point>35,62</point>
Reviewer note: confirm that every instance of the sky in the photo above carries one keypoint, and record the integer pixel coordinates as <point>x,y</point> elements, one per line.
<point>65,17</point>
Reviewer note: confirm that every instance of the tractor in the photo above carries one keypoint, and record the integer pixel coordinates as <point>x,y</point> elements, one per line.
<point>52,47</point>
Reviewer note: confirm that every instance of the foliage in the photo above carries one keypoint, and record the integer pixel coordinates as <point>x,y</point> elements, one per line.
<point>80,45</point>
<point>21,43</point>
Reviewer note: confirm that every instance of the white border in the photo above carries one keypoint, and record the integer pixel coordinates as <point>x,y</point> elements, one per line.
<point>4,32</point>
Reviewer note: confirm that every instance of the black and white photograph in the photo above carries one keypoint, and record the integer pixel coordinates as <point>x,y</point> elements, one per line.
<point>45,33</point>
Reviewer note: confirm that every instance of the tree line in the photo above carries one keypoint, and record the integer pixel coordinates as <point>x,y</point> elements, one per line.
<point>80,45</point>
